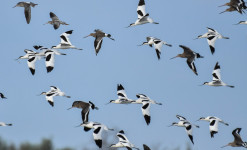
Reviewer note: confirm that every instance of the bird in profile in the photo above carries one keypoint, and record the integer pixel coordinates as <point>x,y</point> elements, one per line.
<point>235,5</point>
<point>157,44</point>
<point>241,22</point>
<point>85,110</point>
<point>143,17</point>
<point>190,55</point>
<point>5,124</point>
<point>65,42</point>
<point>123,141</point>
<point>184,123</point>
<point>217,78</point>
<point>122,96</point>
<point>55,21</point>
<point>145,147</point>
<point>213,124</point>
<point>2,96</point>
<point>238,142</point>
<point>27,9</point>
<point>142,97</point>
<point>212,35</point>
<point>97,133</point>
<point>98,35</point>
<point>54,91</point>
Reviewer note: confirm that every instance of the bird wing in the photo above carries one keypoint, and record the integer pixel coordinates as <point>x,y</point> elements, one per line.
<point>97,43</point>
<point>141,9</point>
<point>121,92</point>
<point>97,135</point>
<point>146,111</point>
<point>216,73</point>
<point>181,118</point>
<point>122,137</point>
<point>237,137</point>
<point>53,88</point>
<point>142,96</point>
<point>210,30</point>
<point>145,147</point>
<point>53,17</point>
<point>191,64</point>
<point>49,97</point>
<point>49,60</point>
<point>157,45</point>
<point>84,114</point>
<point>211,42</point>
<point>31,63</point>
<point>213,126</point>
<point>186,49</point>
<point>27,11</point>
<point>188,129</point>
<point>65,37</point>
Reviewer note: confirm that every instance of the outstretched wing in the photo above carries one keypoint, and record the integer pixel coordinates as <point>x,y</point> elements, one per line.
<point>157,45</point>
<point>188,128</point>
<point>31,63</point>
<point>27,11</point>
<point>97,135</point>
<point>216,73</point>
<point>237,137</point>
<point>211,42</point>
<point>146,111</point>
<point>181,118</point>
<point>97,43</point>
<point>192,66</point>
<point>65,37</point>
<point>49,60</point>
<point>121,92</point>
<point>141,9</point>
<point>213,127</point>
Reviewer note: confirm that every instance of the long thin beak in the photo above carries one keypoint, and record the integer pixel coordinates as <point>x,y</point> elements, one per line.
<point>236,24</point>
<point>107,103</point>
<point>222,5</point>
<point>169,125</point>
<point>224,146</point>
<point>112,39</point>
<point>173,57</point>
<point>222,12</point>
<point>86,36</point>
<point>69,108</point>
<point>39,94</point>
<point>226,37</point>
<point>198,120</point>
<point>196,126</point>
<point>77,126</point>
<point>196,38</point>
<point>128,26</point>
<point>14,6</point>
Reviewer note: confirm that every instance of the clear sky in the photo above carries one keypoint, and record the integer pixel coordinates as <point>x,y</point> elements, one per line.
<point>84,76</point>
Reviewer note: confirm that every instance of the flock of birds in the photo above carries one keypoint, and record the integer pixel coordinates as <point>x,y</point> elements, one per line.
<point>49,55</point>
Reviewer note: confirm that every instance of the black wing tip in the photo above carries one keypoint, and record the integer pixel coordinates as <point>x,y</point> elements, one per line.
<point>69,32</point>
<point>32,71</point>
<point>217,66</point>
<point>120,87</point>
<point>191,139</point>
<point>49,69</point>
<point>51,103</point>
<point>86,129</point>
<point>141,2</point>
<point>147,119</point>
<point>98,143</point>
<point>212,49</point>
<point>121,131</point>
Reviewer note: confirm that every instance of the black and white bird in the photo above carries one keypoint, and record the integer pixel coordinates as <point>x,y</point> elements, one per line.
<point>54,91</point>
<point>85,110</point>
<point>141,97</point>
<point>97,133</point>
<point>2,96</point>
<point>184,123</point>
<point>190,55</point>
<point>98,35</point>
<point>241,22</point>
<point>65,42</point>
<point>212,35</point>
<point>217,78</point>
<point>27,9</point>
<point>157,44</point>
<point>123,141</point>
<point>213,124</point>
<point>143,17</point>
<point>238,142</point>
<point>55,21</point>
<point>5,124</point>
<point>122,96</point>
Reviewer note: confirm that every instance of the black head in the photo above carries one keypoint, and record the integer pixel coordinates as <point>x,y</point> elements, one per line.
<point>108,35</point>
<point>205,83</point>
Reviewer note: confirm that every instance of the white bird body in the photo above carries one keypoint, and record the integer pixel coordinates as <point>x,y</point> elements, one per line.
<point>5,124</point>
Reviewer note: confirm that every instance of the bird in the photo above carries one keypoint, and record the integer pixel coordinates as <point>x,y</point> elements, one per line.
<point>2,96</point>
<point>145,147</point>
<point>54,91</point>
<point>5,124</point>
<point>212,35</point>
<point>235,5</point>
<point>213,125</point>
<point>157,44</point>
<point>123,141</point>
<point>143,17</point>
<point>99,35</point>
<point>217,78</point>
<point>184,123</point>
<point>97,133</point>
<point>241,22</point>
<point>190,55</point>
<point>65,42</point>
<point>122,96</point>
<point>85,110</point>
<point>27,9</point>
<point>55,21</point>
<point>142,97</point>
<point>238,142</point>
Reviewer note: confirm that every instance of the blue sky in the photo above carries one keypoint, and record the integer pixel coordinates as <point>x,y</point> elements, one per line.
<point>86,77</point>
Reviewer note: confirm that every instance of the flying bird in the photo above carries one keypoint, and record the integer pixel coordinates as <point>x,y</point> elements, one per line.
<point>97,133</point>
<point>213,124</point>
<point>85,110</point>
<point>235,5</point>
<point>142,97</point>
<point>65,42</point>
<point>190,55</point>
<point>2,96</point>
<point>217,78</point>
<point>122,96</point>
<point>143,17</point>
<point>238,142</point>
<point>157,44</point>
<point>98,35</point>
<point>212,35</point>
<point>241,22</point>
<point>55,21</point>
<point>123,141</point>
<point>184,123</point>
<point>5,124</point>
<point>54,91</point>
<point>27,9</point>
